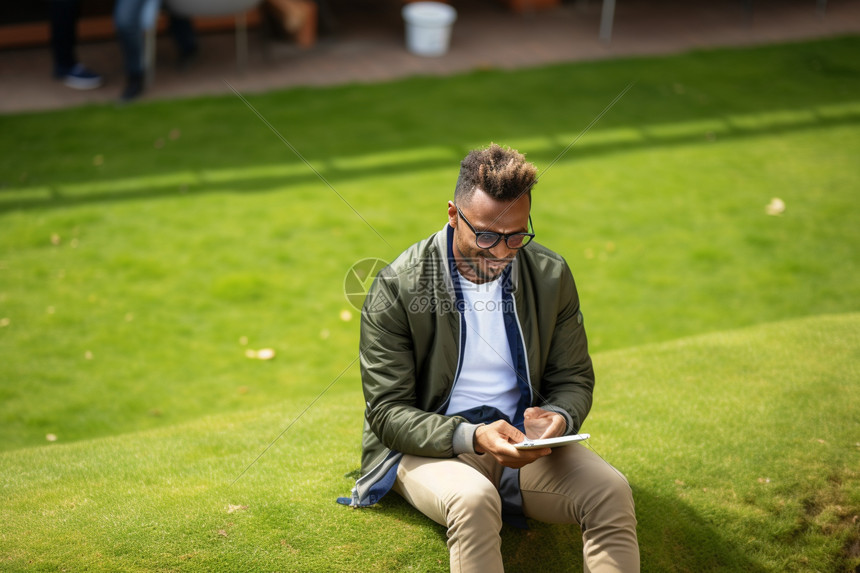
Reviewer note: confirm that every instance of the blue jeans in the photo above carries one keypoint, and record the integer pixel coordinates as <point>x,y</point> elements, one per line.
<point>129,29</point>
<point>64,19</point>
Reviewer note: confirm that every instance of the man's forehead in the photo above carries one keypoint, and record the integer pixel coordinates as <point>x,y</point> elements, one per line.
<point>491,214</point>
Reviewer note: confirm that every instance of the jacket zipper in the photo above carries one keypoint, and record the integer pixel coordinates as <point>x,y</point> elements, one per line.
<point>525,351</point>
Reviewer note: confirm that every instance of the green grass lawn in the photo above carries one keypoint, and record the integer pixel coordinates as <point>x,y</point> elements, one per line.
<point>145,250</point>
<point>741,448</point>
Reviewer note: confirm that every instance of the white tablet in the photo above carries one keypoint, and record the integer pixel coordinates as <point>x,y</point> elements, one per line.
<point>550,442</point>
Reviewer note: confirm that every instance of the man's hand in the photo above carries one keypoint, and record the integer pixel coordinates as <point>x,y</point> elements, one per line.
<point>497,439</point>
<point>541,423</point>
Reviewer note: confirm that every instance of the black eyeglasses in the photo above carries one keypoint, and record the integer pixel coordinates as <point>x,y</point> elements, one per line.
<point>489,239</point>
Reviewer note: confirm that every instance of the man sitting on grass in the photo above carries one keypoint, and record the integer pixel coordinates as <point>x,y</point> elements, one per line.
<point>471,341</point>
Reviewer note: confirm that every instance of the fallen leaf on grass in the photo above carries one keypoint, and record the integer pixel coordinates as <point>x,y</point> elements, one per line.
<point>262,354</point>
<point>222,533</point>
<point>265,354</point>
<point>235,508</point>
<point>775,207</point>
<point>763,480</point>
<point>188,556</point>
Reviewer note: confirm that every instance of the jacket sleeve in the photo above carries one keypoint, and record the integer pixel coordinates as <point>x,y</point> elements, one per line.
<point>389,378</point>
<point>568,378</point>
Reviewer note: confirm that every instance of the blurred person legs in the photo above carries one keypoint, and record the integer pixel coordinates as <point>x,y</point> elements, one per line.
<point>64,21</point>
<point>128,19</point>
<point>129,22</point>
<point>182,30</point>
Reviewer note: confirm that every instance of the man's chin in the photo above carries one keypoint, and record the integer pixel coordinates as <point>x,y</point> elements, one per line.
<point>490,272</point>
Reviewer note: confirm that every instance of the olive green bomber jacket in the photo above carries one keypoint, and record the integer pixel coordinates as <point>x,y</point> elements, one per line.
<point>411,346</point>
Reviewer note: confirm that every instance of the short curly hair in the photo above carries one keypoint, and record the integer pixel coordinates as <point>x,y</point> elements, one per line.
<point>501,172</point>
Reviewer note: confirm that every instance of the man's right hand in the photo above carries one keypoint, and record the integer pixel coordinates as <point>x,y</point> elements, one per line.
<point>497,439</point>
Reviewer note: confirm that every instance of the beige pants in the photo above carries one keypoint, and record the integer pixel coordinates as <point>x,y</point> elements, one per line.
<point>572,485</point>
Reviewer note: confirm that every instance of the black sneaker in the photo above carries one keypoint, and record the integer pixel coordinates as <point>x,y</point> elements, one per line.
<point>133,89</point>
<point>79,77</point>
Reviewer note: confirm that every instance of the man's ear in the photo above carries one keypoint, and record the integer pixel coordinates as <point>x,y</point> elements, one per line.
<point>452,214</point>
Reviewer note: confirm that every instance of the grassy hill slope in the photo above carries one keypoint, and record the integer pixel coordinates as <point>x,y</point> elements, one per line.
<point>742,448</point>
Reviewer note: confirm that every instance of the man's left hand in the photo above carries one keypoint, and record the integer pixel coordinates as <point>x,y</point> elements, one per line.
<point>540,423</point>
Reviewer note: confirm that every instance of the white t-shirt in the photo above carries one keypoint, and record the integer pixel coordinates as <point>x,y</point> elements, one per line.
<point>487,376</point>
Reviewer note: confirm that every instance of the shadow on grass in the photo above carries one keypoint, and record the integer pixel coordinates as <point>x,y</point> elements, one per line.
<point>247,181</point>
<point>694,97</point>
<point>672,538</point>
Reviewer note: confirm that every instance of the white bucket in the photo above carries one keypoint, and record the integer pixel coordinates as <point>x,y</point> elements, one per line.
<point>428,27</point>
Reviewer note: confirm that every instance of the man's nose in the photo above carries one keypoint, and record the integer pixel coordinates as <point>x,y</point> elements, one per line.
<point>501,251</point>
